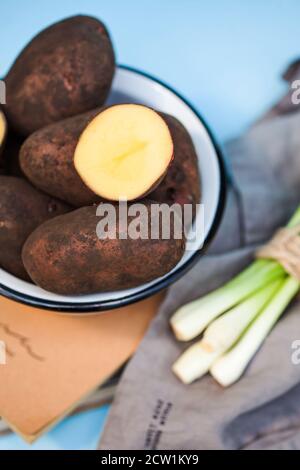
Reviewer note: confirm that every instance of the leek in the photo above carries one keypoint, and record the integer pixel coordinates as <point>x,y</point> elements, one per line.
<point>229,368</point>
<point>222,334</point>
<point>191,319</point>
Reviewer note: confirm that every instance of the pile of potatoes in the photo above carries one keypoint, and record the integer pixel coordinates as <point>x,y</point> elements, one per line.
<point>56,86</point>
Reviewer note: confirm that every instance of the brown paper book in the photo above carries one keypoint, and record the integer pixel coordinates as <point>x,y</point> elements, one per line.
<point>102,396</point>
<point>54,361</point>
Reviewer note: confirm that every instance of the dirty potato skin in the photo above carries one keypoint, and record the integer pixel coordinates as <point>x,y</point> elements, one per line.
<point>65,256</point>
<point>65,70</point>
<point>182,182</point>
<point>46,158</point>
<point>22,209</point>
<point>10,154</point>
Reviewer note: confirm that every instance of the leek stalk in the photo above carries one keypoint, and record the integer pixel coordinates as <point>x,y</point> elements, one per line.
<point>222,334</point>
<point>191,319</point>
<point>229,368</point>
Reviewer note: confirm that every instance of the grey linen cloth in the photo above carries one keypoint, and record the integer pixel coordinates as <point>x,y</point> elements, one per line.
<point>286,105</point>
<point>152,408</point>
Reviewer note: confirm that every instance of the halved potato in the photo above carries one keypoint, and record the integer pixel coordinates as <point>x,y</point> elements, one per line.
<point>124,152</point>
<point>3,132</point>
<point>3,129</point>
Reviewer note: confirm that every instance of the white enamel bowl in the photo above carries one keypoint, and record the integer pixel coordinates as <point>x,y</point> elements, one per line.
<point>133,86</point>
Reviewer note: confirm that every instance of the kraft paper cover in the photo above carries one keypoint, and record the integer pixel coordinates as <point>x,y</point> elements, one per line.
<point>53,361</point>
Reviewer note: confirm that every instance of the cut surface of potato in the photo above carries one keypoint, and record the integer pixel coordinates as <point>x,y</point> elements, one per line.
<point>3,128</point>
<point>124,152</point>
<point>3,131</point>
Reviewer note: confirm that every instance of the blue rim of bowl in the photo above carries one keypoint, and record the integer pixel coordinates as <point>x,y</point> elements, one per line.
<point>90,307</point>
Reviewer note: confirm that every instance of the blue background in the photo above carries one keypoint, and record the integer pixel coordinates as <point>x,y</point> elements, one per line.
<point>225,56</point>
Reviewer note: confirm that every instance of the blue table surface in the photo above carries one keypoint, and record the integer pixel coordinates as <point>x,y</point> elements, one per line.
<point>226,57</point>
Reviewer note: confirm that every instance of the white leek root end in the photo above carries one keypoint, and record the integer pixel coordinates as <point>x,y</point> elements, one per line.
<point>229,368</point>
<point>191,319</point>
<point>195,362</point>
<point>221,335</point>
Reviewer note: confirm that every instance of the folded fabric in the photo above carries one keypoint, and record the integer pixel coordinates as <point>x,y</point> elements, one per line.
<point>287,103</point>
<point>152,409</point>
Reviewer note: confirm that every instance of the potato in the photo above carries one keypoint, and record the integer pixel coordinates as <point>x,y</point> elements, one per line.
<point>65,70</point>
<point>10,154</point>
<point>182,182</point>
<point>22,209</point>
<point>124,152</point>
<point>47,159</point>
<point>3,132</point>
<point>65,256</point>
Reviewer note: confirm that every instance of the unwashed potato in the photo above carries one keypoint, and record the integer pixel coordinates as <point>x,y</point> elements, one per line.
<point>65,256</point>
<point>10,155</point>
<point>65,70</point>
<point>22,209</point>
<point>182,182</point>
<point>47,159</point>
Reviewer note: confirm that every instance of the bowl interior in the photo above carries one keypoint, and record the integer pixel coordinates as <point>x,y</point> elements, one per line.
<point>135,87</point>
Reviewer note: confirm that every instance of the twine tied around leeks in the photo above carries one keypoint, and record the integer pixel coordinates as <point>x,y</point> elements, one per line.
<point>284,247</point>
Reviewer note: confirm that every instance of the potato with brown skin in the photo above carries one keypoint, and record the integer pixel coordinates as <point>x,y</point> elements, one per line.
<point>65,70</point>
<point>10,155</point>
<point>65,255</point>
<point>47,159</point>
<point>22,209</point>
<point>182,182</point>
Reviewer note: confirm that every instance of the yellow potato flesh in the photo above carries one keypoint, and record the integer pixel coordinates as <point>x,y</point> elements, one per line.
<point>2,128</point>
<point>124,151</point>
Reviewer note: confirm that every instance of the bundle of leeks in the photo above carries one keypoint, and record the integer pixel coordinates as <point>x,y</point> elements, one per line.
<point>236,318</point>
